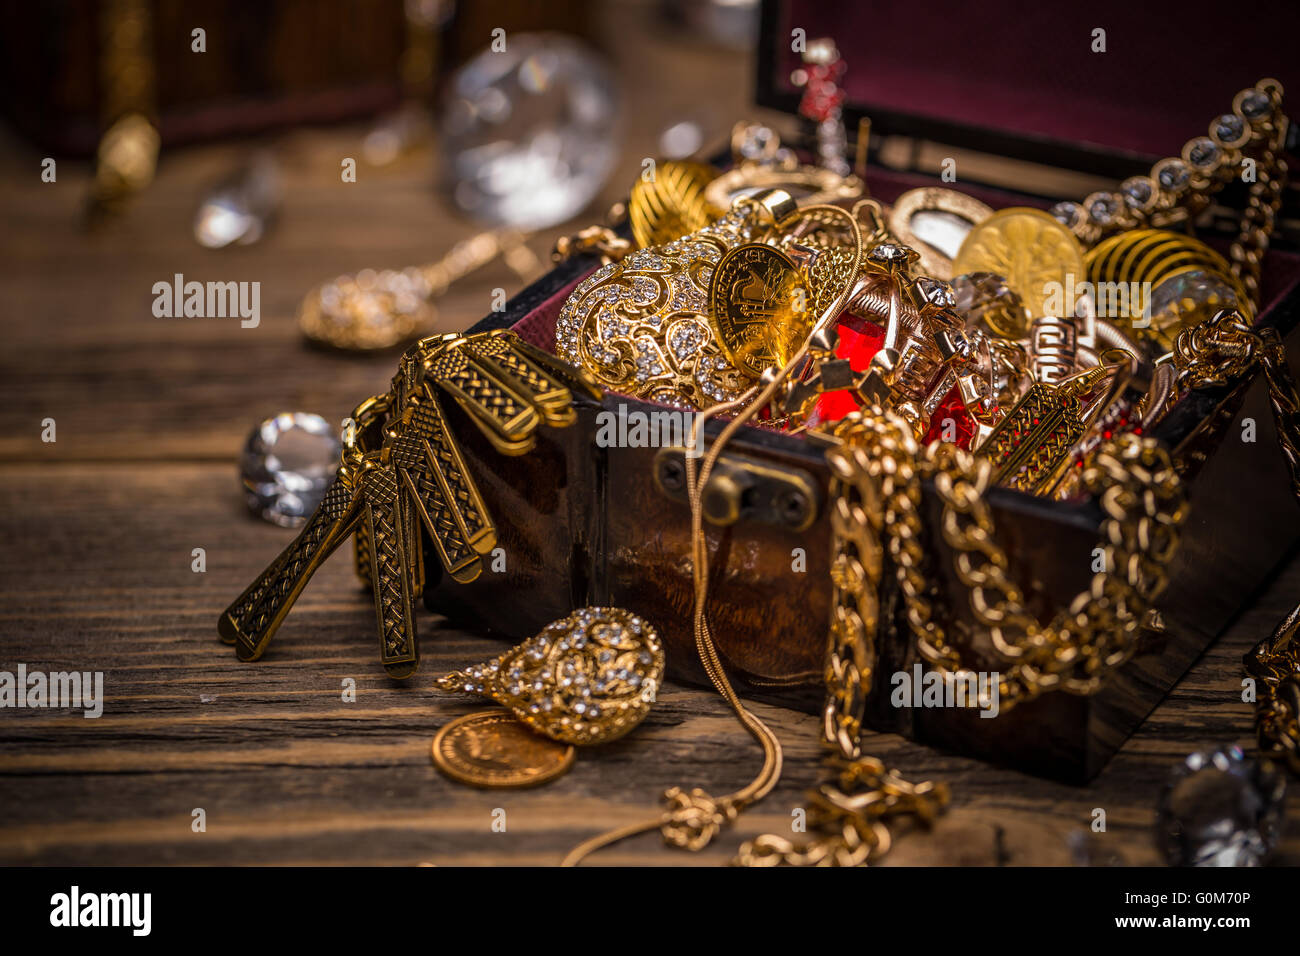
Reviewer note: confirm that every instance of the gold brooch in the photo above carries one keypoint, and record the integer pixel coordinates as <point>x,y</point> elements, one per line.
<point>588,678</point>
<point>646,326</point>
<point>640,326</point>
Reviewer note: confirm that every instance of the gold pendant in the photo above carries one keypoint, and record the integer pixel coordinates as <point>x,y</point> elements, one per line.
<point>585,679</point>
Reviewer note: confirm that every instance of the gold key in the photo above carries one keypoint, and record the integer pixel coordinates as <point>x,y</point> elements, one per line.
<point>441,492</point>
<point>496,355</point>
<point>389,528</point>
<point>251,621</point>
<point>498,407</point>
<point>402,471</point>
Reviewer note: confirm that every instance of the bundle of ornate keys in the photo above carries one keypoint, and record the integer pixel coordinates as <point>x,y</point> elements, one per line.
<point>402,470</point>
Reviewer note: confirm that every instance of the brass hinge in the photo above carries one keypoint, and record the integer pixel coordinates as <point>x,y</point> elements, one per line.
<point>744,489</point>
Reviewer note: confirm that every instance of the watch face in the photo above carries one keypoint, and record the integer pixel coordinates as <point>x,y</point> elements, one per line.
<point>935,222</point>
<point>942,231</point>
<point>800,191</point>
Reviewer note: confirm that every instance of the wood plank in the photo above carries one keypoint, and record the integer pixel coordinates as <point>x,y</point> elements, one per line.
<point>289,773</point>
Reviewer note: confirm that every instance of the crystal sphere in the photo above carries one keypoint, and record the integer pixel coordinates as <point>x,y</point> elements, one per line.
<point>288,463</point>
<point>1221,809</point>
<point>528,133</point>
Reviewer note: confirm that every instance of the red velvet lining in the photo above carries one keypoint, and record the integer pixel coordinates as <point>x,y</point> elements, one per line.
<point>1029,68</point>
<point>538,326</point>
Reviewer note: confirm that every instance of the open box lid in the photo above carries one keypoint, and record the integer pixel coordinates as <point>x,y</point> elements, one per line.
<point>1021,79</point>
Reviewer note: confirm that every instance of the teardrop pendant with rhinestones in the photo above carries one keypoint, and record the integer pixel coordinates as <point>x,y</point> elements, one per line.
<point>585,679</point>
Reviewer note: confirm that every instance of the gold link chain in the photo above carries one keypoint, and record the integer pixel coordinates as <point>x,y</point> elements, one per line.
<point>877,472</point>
<point>1222,351</point>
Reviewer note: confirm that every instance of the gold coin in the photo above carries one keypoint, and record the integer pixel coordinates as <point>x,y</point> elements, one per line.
<point>759,307</point>
<point>492,749</point>
<point>1031,250</point>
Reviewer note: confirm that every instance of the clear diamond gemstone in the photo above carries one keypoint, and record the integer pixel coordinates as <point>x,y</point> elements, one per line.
<point>1221,809</point>
<point>287,464</point>
<point>1255,104</point>
<point>936,292</point>
<point>889,252</point>
<point>1203,152</point>
<point>527,133</point>
<point>1229,127</point>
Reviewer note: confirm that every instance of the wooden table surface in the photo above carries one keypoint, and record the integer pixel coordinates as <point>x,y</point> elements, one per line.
<point>98,527</point>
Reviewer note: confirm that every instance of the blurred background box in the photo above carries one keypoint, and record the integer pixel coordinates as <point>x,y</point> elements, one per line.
<point>71,67</point>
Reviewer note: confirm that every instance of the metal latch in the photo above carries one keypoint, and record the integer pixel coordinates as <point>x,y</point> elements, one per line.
<point>743,489</point>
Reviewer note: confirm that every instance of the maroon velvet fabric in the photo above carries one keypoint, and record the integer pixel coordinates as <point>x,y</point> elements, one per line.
<point>538,326</point>
<point>1028,68</point>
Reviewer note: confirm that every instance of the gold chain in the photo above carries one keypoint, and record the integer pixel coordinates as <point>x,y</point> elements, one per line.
<point>1264,196</point>
<point>693,818</point>
<point>1275,665</point>
<point>1179,188</point>
<point>872,476</point>
<point>1142,497</point>
<point>600,240</point>
<point>1222,350</point>
<point>877,472</point>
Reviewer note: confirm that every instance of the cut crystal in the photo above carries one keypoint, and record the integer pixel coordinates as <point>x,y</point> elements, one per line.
<point>287,464</point>
<point>1221,809</point>
<point>1229,127</point>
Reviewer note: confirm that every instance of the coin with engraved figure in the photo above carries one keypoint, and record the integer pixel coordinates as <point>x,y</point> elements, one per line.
<point>1037,256</point>
<point>492,749</point>
<point>759,307</point>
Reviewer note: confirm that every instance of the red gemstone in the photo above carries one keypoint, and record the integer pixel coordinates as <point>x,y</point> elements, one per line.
<point>860,340</point>
<point>952,407</point>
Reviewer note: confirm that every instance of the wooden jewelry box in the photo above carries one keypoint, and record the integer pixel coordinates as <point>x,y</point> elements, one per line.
<point>581,524</point>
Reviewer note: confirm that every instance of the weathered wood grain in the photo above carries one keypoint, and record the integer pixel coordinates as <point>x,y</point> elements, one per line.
<point>96,575</point>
